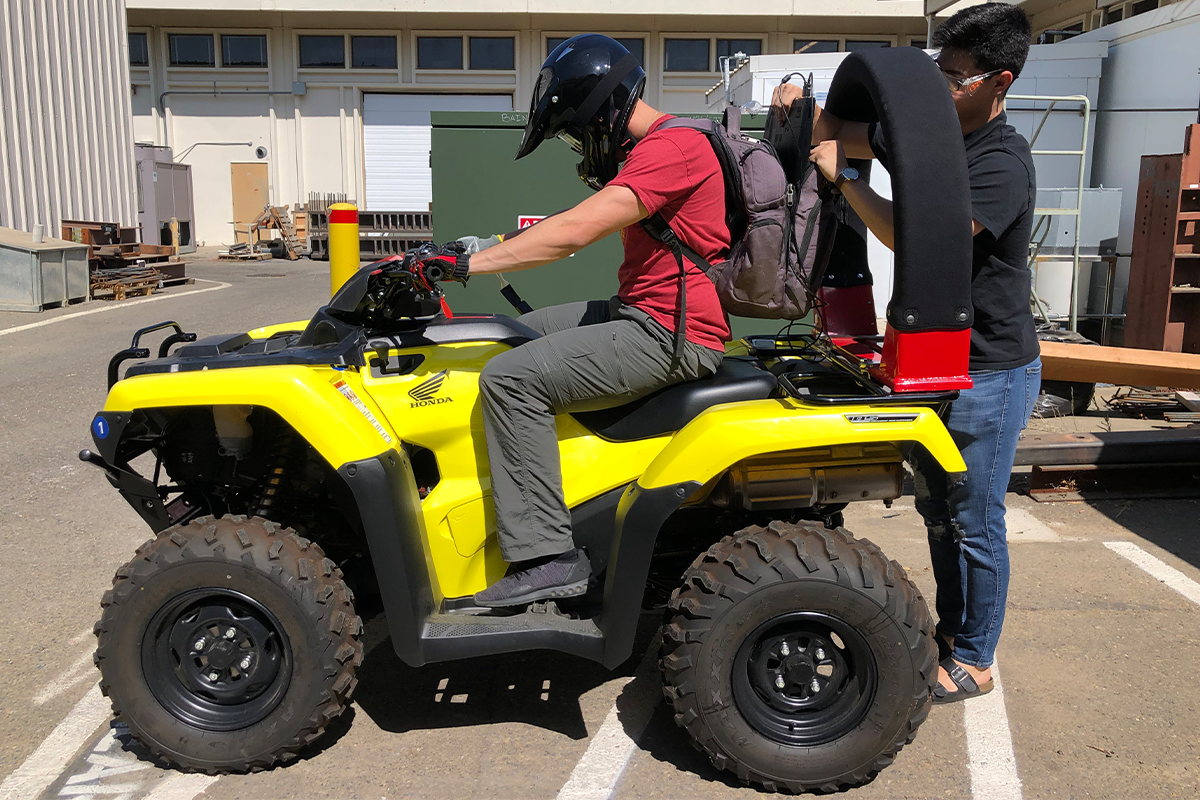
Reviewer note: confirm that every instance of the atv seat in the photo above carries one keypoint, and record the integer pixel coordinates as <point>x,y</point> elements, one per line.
<point>669,409</point>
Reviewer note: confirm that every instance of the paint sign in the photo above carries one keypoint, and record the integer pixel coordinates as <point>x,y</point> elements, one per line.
<point>525,220</point>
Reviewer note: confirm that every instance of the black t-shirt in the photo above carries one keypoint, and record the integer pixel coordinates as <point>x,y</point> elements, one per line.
<point>1000,170</point>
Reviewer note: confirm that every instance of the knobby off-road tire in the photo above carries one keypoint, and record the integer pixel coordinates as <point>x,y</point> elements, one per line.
<point>799,584</point>
<point>243,600</point>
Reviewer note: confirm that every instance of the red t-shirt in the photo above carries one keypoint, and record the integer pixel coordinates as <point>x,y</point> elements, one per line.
<point>676,172</point>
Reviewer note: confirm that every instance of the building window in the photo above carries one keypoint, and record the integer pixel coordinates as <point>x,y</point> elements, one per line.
<point>243,51</point>
<point>1142,7</point>
<point>814,45</point>
<point>635,46</point>
<point>492,52</point>
<point>853,45</point>
<point>139,51</point>
<point>729,47</point>
<point>552,42</point>
<point>917,43</point>
<point>1112,15</point>
<point>686,55</point>
<point>439,52</point>
<point>373,52</point>
<point>191,50</point>
<point>323,51</point>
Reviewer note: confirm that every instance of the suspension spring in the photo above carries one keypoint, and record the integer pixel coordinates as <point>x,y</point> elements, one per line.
<point>274,483</point>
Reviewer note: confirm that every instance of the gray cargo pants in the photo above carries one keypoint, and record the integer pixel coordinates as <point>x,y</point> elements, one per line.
<point>591,355</point>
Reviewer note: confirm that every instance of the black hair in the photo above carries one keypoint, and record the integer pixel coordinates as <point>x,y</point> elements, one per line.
<point>997,35</point>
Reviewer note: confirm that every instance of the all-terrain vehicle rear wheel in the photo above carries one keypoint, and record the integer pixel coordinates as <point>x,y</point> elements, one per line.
<point>797,657</point>
<point>227,644</point>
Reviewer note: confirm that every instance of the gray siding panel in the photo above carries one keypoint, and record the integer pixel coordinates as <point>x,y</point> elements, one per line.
<point>66,137</point>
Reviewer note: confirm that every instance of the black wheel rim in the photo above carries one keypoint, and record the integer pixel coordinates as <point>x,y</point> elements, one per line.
<point>804,679</point>
<point>216,659</point>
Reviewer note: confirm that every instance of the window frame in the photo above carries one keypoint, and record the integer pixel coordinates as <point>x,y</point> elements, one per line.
<point>465,36</point>
<point>838,41</point>
<point>221,50</point>
<point>350,36</point>
<point>146,32</point>
<point>298,34</point>
<point>841,38</point>
<point>191,32</point>
<point>714,66</point>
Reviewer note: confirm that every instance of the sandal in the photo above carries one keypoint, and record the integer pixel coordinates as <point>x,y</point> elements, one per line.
<point>967,687</point>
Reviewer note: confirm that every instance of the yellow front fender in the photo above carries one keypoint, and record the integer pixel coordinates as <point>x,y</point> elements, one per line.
<point>328,407</point>
<point>724,435</point>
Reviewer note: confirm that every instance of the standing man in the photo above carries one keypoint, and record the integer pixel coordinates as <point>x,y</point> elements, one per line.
<point>601,353</point>
<point>982,50</point>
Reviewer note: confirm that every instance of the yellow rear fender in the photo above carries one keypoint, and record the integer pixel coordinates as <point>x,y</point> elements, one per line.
<point>328,407</point>
<point>724,435</point>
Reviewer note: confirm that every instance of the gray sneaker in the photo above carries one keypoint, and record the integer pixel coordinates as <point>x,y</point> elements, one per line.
<point>554,580</point>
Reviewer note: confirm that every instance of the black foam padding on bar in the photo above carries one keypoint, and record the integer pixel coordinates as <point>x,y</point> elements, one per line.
<point>903,90</point>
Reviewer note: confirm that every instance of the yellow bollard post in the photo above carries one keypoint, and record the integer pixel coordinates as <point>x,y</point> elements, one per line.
<point>343,244</point>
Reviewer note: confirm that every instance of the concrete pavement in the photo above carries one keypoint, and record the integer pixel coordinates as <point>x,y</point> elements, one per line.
<point>1094,660</point>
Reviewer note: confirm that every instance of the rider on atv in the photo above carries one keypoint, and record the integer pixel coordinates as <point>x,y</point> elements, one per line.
<point>601,353</point>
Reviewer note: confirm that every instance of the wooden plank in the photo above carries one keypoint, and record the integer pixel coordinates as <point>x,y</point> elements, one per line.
<point>1121,365</point>
<point>1189,400</point>
<point>1150,268</point>
<point>250,191</point>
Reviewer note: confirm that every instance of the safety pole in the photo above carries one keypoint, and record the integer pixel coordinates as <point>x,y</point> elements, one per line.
<point>343,244</point>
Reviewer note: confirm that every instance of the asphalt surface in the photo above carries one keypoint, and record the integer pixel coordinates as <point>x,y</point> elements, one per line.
<point>1095,660</point>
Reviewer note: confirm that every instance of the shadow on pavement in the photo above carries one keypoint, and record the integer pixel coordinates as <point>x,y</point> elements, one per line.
<point>1173,525</point>
<point>539,688</point>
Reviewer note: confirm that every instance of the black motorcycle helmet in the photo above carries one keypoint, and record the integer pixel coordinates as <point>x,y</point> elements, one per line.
<point>585,94</point>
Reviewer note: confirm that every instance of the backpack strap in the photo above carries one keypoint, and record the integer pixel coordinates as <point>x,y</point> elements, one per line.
<point>659,230</point>
<point>732,120</point>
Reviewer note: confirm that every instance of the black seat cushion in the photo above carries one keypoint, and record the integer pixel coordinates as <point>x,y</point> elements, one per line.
<point>668,410</point>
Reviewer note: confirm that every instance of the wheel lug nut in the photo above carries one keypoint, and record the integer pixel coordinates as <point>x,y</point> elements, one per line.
<point>815,686</point>
<point>229,634</point>
<point>212,676</point>
<point>199,645</point>
<point>245,663</point>
<point>820,654</point>
<point>779,682</point>
<point>784,649</point>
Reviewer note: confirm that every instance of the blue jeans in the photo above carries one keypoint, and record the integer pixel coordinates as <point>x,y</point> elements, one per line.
<point>967,536</point>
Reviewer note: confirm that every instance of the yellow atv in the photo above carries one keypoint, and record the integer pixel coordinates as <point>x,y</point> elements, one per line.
<point>300,476</point>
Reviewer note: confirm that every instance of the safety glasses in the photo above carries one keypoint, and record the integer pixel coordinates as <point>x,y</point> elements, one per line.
<point>969,85</point>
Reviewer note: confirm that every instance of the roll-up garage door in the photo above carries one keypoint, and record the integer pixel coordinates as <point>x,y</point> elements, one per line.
<point>396,133</point>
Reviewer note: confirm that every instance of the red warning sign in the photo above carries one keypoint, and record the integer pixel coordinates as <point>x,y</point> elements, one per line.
<point>525,220</point>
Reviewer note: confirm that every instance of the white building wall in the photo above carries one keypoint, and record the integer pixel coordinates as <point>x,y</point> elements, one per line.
<point>66,146</point>
<point>314,140</point>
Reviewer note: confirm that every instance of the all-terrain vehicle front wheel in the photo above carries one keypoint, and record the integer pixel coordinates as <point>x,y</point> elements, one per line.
<point>799,658</point>
<point>227,644</point>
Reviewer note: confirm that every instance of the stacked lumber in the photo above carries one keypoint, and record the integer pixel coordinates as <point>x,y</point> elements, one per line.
<point>244,252</point>
<point>121,282</point>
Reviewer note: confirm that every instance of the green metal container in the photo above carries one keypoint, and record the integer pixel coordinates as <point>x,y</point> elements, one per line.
<point>478,190</point>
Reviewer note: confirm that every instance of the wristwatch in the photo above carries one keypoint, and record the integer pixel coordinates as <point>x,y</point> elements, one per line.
<point>847,174</point>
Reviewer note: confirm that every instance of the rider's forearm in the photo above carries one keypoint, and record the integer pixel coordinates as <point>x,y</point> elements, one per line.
<point>873,210</point>
<point>825,125</point>
<point>557,237</point>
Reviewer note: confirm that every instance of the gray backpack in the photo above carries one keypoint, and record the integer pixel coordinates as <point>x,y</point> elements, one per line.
<point>781,230</point>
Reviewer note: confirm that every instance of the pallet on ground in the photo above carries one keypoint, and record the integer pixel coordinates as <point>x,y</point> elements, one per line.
<point>123,282</point>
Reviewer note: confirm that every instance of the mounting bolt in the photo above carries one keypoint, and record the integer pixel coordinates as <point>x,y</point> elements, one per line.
<point>230,633</point>
<point>779,682</point>
<point>784,649</point>
<point>212,676</point>
<point>815,686</point>
<point>199,645</point>
<point>820,654</point>
<point>245,663</point>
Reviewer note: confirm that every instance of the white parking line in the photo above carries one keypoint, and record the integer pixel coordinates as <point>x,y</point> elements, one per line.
<point>116,307</point>
<point>53,755</point>
<point>993,764</point>
<point>75,674</point>
<point>1157,569</point>
<point>181,786</point>
<point>597,774</point>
